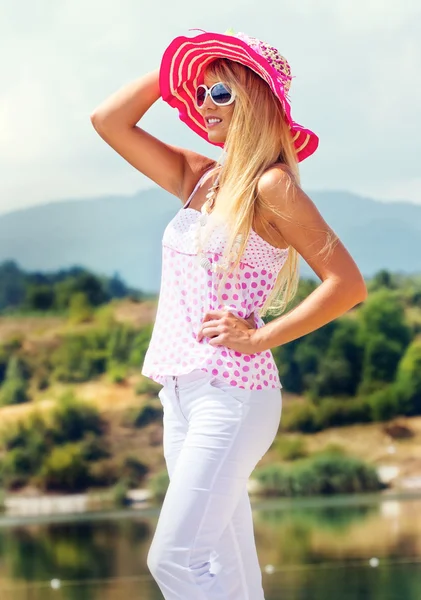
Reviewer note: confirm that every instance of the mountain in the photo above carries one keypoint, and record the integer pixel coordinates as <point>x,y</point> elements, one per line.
<point>123,234</point>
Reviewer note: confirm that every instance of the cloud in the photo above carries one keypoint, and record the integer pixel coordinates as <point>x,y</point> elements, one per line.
<point>357,83</point>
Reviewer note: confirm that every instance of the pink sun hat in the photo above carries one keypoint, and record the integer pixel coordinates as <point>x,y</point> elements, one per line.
<point>182,70</point>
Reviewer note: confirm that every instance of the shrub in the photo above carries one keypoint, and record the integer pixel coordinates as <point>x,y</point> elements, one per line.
<point>140,345</point>
<point>147,386</point>
<point>291,448</point>
<point>16,378</point>
<point>274,480</point>
<point>39,297</point>
<point>322,474</point>
<point>144,415</point>
<point>117,373</point>
<point>16,467</point>
<point>65,469</point>
<point>333,412</point>
<point>94,448</point>
<point>302,417</point>
<point>158,484</point>
<point>119,343</point>
<point>13,392</point>
<point>80,311</point>
<point>119,493</point>
<point>381,358</point>
<point>133,471</point>
<point>104,472</point>
<point>409,379</point>
<point>66,438</point>
<point>80,357</point>
<point>71,419</point>
<point>384,403</point>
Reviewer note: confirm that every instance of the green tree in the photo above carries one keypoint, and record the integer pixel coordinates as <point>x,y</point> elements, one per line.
<point>381,359</point>
<point>409,378</point>
<point>12,285</point>
<point>39,297</point>
<point>383,313</point>
<point>340,367</point>
<point>65,469</point>
<point>80,310</point>
<point>385,334</point>
<point>15,386</point>
<point>383,279</point>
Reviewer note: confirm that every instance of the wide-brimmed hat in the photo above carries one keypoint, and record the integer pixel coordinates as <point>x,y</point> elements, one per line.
<point>185,60</point>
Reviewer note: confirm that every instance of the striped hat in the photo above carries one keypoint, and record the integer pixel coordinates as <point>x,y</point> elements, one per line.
<point>182,70</point>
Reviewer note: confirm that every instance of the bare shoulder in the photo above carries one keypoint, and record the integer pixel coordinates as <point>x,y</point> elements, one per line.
<point>276,182</point>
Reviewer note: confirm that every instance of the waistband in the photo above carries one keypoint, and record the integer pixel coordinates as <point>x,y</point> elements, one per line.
<point>187,377</point>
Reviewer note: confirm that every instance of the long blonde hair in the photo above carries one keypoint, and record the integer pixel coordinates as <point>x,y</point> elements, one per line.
<point>258,137</point>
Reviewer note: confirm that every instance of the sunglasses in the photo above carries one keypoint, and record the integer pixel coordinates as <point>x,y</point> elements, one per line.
<point>219,93</point>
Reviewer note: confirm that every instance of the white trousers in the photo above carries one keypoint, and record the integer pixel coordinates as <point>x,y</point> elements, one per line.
<point>214,435</point>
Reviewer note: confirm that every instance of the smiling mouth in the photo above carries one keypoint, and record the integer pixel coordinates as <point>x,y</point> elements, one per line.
<point>213,121</point>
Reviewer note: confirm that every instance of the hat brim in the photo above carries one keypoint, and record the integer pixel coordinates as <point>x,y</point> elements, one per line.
<point>182,70</point>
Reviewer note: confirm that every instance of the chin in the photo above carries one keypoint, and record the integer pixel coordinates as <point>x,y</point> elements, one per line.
<point>216,137</point>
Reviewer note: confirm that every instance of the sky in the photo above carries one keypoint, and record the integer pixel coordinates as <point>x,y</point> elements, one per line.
<point>357,84</point>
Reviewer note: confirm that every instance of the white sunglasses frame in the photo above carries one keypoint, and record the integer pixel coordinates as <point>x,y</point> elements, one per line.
<point>208,93</point>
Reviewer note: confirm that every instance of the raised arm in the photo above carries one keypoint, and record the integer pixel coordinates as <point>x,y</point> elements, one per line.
<point>173,168</point>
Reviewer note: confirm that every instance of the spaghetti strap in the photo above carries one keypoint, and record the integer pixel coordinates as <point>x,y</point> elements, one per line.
<point>197,186</point>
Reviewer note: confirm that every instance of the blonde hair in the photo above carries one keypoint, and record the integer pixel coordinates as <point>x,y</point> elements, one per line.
<point>258,137</point>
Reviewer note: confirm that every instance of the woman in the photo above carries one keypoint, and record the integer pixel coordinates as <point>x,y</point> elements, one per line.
<point>230,256</point>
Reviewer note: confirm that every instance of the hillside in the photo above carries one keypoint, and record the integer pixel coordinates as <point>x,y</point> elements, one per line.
<point>123,234</point>
<point>395,450</point>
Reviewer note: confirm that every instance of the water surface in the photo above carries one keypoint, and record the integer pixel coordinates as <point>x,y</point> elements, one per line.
<point>354,548</point>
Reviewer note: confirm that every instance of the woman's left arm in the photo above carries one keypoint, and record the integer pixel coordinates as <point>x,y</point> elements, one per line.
<point>304,228</point>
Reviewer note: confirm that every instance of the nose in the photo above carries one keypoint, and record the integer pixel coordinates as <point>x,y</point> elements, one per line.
<point>208,103</point>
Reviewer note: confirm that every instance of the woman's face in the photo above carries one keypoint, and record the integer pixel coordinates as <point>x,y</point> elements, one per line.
<point>217,131</point>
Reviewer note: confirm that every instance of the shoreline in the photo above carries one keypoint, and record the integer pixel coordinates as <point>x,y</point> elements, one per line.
<point>20,509</point>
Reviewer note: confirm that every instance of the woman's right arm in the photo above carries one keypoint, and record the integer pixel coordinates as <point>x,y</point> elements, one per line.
<point>172,168</point>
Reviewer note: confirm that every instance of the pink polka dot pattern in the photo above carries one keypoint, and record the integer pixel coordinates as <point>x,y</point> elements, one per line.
<point>188,291</point>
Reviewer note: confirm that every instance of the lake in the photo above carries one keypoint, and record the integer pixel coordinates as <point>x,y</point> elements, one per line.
<point>352,548</point>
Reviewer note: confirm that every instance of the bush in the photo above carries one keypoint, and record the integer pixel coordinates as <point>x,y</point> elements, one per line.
<point>71,419</point>
<point>384,403</point>
<point>291,448</point>
<point>65,469</point>
<point>39,297</point>
<point>81,357</point>
<point>80,311</point>
<point>301,417</point>
<point>117,373</point>
<point>13,392</point>
<point>94,448</point>
<point>322,474</point>
<point>133,471</point>
<point>142,416</point>
<point>336,413</point>
<point>59,447</point>
<point>330,412</point>
<point>274,480</point>
<point>158,485</point>
<point>16,378</point>
<point>409,379</point>
<point>16,467</point>
<point>147,386</point>
<point>140,345</point>
<point>119,493</point>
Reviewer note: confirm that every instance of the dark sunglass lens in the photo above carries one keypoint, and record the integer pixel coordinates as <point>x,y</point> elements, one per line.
<point>221,94</point>
<point>200,95</point>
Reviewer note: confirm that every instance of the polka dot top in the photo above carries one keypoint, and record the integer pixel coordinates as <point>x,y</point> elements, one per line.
<point>188,291</point>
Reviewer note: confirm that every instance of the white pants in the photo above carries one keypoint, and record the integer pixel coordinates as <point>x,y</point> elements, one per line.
<point>214,434</point>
